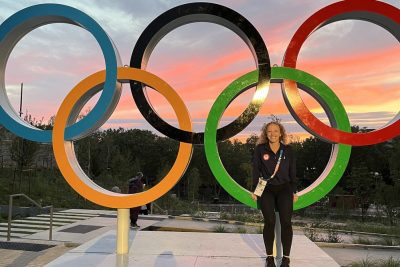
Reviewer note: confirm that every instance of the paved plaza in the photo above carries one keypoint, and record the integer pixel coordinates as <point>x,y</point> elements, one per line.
<point>188,249</point>
<point>165,241</point>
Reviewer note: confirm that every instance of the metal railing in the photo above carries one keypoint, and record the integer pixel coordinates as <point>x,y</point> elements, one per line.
<point>10,209</point>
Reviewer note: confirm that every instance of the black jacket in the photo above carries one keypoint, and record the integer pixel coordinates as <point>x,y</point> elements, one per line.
<point>135,185</point>
<point>265,160</point>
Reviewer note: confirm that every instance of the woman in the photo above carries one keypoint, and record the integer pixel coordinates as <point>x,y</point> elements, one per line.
<point>280,190</point>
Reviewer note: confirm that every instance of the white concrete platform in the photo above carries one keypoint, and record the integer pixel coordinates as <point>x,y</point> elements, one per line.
<point>188,249</point>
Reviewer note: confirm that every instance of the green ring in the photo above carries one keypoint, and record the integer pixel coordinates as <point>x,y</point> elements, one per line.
<point>248,80</point>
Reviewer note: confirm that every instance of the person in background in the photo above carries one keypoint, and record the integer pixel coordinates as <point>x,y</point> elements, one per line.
<point>145,208</point>
<point>135,185</point>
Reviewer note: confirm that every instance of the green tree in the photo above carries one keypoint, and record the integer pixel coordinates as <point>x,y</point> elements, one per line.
<point>312,156</point>
<point>163,171</point>
<point>394,160</point>
<point>247,169</point>
<point>193,184</point>
<point>251,143</point>
<point>363,185</point>
<point>2,132</point>
<point>23,152</point>
<point>388,196</point>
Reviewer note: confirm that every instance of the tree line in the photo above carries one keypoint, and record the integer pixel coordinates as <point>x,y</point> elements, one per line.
<point>110,157</point>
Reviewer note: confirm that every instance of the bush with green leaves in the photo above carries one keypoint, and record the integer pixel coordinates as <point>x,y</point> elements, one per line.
<point>220,229</point>
<point>391,262</point>
<point>312,234</point>
<point>241,230</point>
<point>334,237</point>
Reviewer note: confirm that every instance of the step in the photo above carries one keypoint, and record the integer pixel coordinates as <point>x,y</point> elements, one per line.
<point>48,219</point>
<point>47,222</point>
<point>28,226</point>
<point>19,230</point>
<point>63,217</point>
<point>76,214</point>
<point>80,213</point>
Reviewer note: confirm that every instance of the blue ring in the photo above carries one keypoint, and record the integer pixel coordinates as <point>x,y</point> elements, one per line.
<point>110,55</point>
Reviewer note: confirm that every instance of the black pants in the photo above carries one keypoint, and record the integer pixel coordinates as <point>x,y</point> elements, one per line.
<point>281,198</point>
<point>134,214</point>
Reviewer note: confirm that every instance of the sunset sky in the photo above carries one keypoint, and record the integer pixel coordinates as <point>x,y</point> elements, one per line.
<point>357,59</point>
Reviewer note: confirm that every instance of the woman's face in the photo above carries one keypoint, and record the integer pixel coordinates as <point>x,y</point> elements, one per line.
<point>273,133</point>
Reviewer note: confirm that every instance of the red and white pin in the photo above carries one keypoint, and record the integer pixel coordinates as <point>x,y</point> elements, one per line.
<point>266,157</point>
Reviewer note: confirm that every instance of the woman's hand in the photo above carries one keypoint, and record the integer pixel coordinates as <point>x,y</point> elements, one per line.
<point>253,196</point>
<point>295,197</point>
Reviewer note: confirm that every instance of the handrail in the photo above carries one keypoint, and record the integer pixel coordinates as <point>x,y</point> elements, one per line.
<point>10,208</point>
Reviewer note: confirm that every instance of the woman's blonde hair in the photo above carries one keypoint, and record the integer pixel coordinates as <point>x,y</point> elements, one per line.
<point>263,139</point>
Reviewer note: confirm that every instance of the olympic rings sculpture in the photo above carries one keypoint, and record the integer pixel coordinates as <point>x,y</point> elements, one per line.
<point>66,129</point>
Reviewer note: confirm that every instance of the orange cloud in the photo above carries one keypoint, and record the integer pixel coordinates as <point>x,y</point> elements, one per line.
<point>362,81</point>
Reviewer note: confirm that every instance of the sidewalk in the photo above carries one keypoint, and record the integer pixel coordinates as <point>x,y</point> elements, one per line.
<point>24,258</point>
<point>166,241</point>
<point>188,249</point>
<point>65,238</point>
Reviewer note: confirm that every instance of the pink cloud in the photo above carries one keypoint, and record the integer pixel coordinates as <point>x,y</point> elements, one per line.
<point>365,78</point>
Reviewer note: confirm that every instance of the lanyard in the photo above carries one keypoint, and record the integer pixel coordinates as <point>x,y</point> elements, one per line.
<point>277,165</point>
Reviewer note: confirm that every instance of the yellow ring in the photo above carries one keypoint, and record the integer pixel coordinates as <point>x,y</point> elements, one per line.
<point>66,158</point>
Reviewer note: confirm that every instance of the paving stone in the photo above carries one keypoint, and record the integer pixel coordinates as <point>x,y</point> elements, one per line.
<point>24,246</point>
<point>82,229</point>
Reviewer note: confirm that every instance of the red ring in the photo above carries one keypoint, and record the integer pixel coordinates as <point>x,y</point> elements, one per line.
<point>291,91</point>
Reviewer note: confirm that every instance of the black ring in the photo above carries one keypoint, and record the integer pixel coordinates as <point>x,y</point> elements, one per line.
<point>200,12</point>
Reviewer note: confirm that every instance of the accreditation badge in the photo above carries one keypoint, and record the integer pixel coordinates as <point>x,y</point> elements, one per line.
<point>260,187</point>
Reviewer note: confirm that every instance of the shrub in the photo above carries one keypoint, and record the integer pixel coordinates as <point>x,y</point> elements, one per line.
<point>220,229</point>
<point>391,262</point>
<point>312,234</point>
<point>333,237</point>
<point>241,230</point>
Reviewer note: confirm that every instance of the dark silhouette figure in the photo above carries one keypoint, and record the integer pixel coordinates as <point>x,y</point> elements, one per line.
<point>135,186</point>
